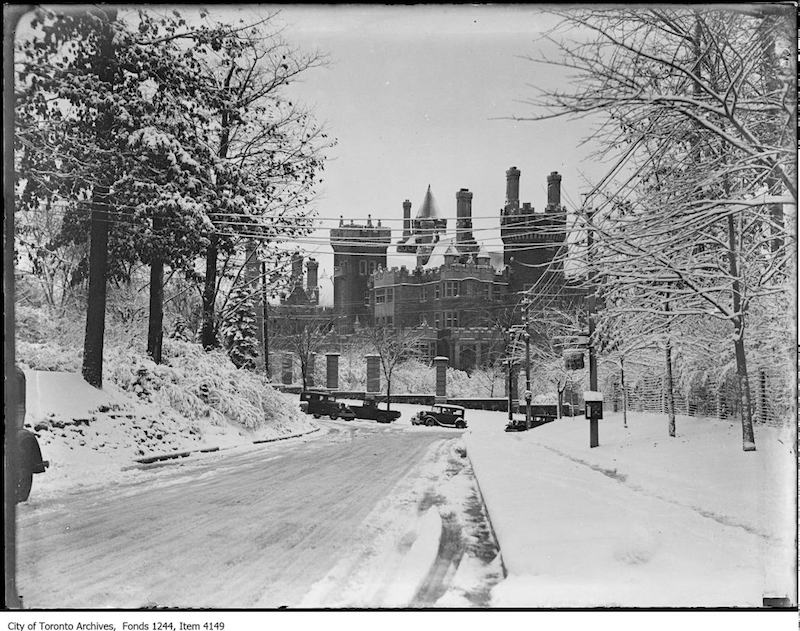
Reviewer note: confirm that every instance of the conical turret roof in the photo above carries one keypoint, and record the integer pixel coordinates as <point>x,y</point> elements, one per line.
<point>428,209</point>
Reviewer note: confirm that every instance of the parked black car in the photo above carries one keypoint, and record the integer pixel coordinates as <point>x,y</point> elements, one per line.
<point>443,415</point>
<point>29,454</point>
<point>320,404</point>
<point>370,410</point>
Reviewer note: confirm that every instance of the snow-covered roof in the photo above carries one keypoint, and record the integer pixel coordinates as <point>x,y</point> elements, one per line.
<point>436,258</point>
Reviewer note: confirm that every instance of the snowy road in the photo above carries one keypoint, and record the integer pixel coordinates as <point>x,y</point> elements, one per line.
<point>253,529</point>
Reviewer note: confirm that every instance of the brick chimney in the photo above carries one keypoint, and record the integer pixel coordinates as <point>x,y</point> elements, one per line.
<point>406,220</point>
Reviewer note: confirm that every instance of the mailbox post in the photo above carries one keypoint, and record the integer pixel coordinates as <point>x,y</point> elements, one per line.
<point>593,402</point>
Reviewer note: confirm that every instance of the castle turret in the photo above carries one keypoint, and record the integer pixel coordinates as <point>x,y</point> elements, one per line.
<point>429,221</point>
<point>512,189</point>
<point>553,192</point>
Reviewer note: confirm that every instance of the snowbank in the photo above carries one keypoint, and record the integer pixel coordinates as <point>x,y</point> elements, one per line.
<point>643,520</point>
<point>90,436</point>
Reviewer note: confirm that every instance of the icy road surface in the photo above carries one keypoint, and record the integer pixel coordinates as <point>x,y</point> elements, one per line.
<point>363,515</point>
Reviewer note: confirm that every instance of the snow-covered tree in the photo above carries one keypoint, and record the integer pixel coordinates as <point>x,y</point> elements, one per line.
<point>697,112</point>
<point>239,332</point>
<point>268,151</point>
<point>393,346</point>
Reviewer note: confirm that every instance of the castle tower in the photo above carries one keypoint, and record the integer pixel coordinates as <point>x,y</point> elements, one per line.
<point>358,250</point>
<point>531,240</point>
<point>465,242</point>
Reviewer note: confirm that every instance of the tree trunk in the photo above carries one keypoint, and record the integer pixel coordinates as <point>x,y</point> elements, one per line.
<point>743,387</point>
<point>92,368</point>
<point>742,381</point>
<point>624,394</point>
<point>208,334</point>
<point>155,324</point>
<point>388,393</point>
<point>670,399</point>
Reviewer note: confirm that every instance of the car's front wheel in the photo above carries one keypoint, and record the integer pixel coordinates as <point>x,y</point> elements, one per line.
<point>430,421</point>
<point>334,416</point>
<point>316,415</point>
<point>460,425</point>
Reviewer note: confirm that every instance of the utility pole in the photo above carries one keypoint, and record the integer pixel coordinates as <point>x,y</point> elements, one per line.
<point>594,437</point>
<point>508,388</point>
<point>527,376</point>
<point>265,324</point>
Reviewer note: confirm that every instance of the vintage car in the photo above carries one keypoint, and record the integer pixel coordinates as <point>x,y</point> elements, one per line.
<point>370,410</point>
<point>540,414</point>
<point>29,455</point>
<point>442,415</point>
<point>319,404</point>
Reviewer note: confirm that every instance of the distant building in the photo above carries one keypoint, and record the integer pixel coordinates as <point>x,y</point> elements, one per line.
<point>452,287</point>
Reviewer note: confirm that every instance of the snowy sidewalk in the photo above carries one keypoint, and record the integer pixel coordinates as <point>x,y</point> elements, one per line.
<point>643,520</point>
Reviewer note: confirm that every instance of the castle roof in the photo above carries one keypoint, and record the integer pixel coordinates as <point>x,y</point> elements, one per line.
<point>428,209</point>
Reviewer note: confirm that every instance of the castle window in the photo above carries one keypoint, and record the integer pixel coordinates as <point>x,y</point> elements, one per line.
<point>436,291</point>
<point>380,296</point>
<point>390,295</point>
<point>424,294</point>
<point>450,319</point>
<point>451,288</point>
<point>362,268</point>
<point>366,298</point>
<point>437,320</point>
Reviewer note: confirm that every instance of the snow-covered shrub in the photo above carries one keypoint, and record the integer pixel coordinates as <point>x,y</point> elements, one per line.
<point>49,357</point>
<point>412,377</point>
<point>198,384</point>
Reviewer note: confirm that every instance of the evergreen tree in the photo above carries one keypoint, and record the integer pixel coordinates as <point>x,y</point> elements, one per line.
<point>239,329</point>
